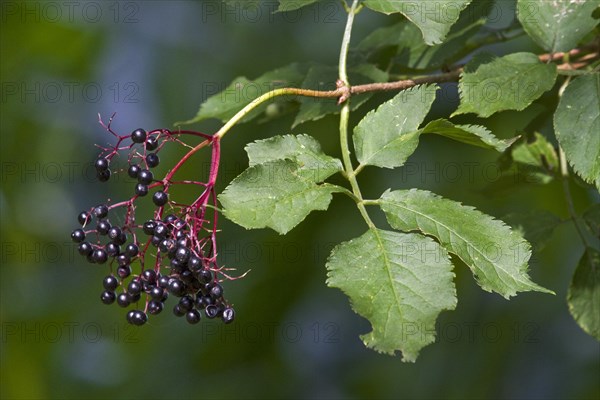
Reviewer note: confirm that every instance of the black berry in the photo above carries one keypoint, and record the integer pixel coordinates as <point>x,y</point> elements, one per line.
<point>152,143</point>
<point>160,198</point>
<point>138,136</point>
<point>112,249</point>
<point>176,287</point>
<point>101,211</point>
<point>211,311</point>
<point>182,254</point>
<point>83,218</point>
<point>145,176</point>
<point>132,250</point>
<point>114,232</point>
<point>103,227</point>
<point>101,164</point>
<point>85,248</point>
<point>152,160</point>
<point>124,272</point>
<point>123,300</point>
<point>108,297</point>
<point>134,288</point>
<point>133,171</point>
<point>103,176</point>
<point>100,256</point>
<point>78,235</point>
<point>149,275</point>
<point>155,307</point>
<point>228,315</point>
<point>149,227</point>
<point>193,316</point>
<point>137,317</point>
<point>110,282</point>
<point>141,189</point>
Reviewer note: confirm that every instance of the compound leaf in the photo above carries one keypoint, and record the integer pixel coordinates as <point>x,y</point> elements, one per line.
<point>304,150</point>
<point>242,91</point>
<point>434,19</point>
<point>577,126</point>
<point>275,195</point>
<point>557,25</point>
<point>496,255</point>
<point>387,136</point>
<point>511,82</point>
<point>583,296</point>
<point>400,282</point>
<point>475,135</point>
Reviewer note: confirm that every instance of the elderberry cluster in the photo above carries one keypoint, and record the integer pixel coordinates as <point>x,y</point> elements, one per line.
<point>184,259</point>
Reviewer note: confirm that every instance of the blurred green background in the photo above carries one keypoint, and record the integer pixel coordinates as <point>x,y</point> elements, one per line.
<point>153,63</point>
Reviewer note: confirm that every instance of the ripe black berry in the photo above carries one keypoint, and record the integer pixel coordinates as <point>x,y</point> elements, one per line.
<point>112,249</point>
<point>170,219</point>
<point>124,272</point>
<point>108,297</point>
<point>228,315</point>
<point>166,245</point>
<point>83,218</point>
<point>186,303</point>
<point>85,248</point>
<point>137,317</point>
<point>160,198</point>
<point>155,307</point>
<point>176,287</point>
<point>78,235</point>
<point>103,176</point>
<point>123,300</point>
<point>123,260</point>
<point>149,275</point>
<point>133,171</point>
<point>152,143</point>
<point>101,164</point>
<point>194,263</point>
<point>132,250</point>
<point>157,293</point>
<point>182,254</point>
<point>193,316</point>
<point>178,311</point>
<point>145,176</point>
<point>121,239</point>
<point>103,227</point>
<point>152,160</point>
<point>141,189</point>
<point>161,230</point>
<point>211,311</point>
<point>216,291</point>
<point>163,281</point>
<point>205,276</point>
<point>138,136</point>
<point>149,227</point>
<point>114,232</point>
<point>100,256</point>
<point>110,282</point>
<point>186,276</point>
<point>101,211</point>
<point>134,288</point>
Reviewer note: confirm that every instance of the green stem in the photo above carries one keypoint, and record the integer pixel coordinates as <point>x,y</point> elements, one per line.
<point>345,115</point>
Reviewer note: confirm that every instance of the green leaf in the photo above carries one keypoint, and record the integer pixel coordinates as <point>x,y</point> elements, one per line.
<point>322,77</point>
<point>496,255</point>
<point>274,195</point>
<point>537,153</point>
<point>400,282</point>
<point>583,296</point>
<point>291,5</point>
<point>475,135</point>
<point>577,126</point>
<point>511,82</point>
<point>304,150</point>
<point>537,226</point>
<point>434,19</point>
<point>242,91</point>
<point>591,217</point>
<point>557,25</point>
<point>386,137</point>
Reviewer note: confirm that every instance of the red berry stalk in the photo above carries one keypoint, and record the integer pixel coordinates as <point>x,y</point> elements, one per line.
<point>176,252</point>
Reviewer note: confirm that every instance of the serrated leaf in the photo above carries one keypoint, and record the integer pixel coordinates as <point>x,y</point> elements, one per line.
<point>304,150</point>
<point>242,91</point>
<point>475,135</point>
<point>291,5</point>
<point>387,136</point>
<point>583,296</point>
<point>538,153</point>
<point>496,255</point>
<point>557,25</point>
<point>400,282</point>
<point>577,126</point>
<point>511,82</point>
<point>434,19</point>
<point>537,226</point>
<point>322,77</point>
<point>591,217</point>
<point>273,195</point>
